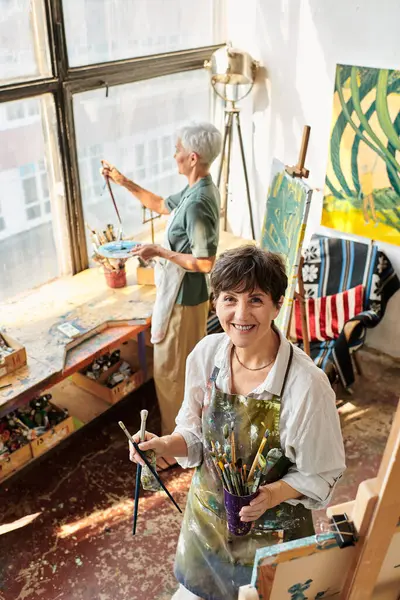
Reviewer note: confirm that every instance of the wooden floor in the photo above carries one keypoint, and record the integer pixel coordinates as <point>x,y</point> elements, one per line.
<point>65,522</point>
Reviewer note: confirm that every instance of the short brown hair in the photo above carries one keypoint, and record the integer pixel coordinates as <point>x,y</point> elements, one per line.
<point>246,268</point>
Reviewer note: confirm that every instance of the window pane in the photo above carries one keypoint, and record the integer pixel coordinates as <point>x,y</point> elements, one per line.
<point>23,44</point>
<point>33,243</point>
<point>105,30</point>
<point>128,129</point>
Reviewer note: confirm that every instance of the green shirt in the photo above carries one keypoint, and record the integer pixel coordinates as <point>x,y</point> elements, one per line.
<point>195,230</point>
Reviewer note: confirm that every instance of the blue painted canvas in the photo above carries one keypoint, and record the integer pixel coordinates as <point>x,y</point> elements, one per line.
<point>284,226</point>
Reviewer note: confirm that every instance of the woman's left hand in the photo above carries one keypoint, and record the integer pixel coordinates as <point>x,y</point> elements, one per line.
<point>146,251</point>
<point>259,505</point>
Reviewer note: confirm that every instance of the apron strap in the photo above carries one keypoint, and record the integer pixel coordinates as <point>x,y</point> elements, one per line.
<point>289,364</point>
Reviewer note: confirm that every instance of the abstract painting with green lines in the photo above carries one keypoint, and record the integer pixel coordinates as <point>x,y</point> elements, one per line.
<point>283,230</point>
<point>362,187</point>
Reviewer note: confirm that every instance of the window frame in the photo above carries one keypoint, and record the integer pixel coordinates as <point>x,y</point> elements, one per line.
<point>66,81</point>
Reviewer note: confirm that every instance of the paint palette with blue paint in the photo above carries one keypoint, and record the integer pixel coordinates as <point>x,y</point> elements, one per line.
<point>117,250</point>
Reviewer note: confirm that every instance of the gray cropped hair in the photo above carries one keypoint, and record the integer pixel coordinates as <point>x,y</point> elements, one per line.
<point>202,138</point>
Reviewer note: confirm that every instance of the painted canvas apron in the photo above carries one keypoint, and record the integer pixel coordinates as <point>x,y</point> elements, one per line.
<point>168,279</point>
<point>210,562</point>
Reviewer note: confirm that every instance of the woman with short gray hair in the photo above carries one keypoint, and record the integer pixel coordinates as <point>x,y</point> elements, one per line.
<point>179,319</point>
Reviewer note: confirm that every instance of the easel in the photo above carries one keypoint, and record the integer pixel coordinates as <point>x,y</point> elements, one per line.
<point>230,113</point>
<point>144,272</point>
<point>301,172</point>
<point>375,513</point>
<point>150,220</point>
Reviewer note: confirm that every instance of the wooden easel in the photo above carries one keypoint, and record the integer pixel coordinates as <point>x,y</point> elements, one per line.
<point>301,172</point>
<point>375,513</point>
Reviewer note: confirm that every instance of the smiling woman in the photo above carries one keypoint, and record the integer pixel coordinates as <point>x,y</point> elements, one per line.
<point>234,429</point>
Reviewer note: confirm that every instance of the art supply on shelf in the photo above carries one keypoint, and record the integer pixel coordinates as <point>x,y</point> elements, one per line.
<point>102,364</point>
<point>12,355</point>
<point>110,377</point>
<point>31,430</point>
<point>109,369</point>
<point>40,415</point>
<point>147,463</point>
<point>5,349</point>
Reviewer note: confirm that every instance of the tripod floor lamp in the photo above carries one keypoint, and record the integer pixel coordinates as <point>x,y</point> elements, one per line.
<point>232,77</point>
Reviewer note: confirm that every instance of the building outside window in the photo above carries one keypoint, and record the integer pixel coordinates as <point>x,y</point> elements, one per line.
<point>47,181</point>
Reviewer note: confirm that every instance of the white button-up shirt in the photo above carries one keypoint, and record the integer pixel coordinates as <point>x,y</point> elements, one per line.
<point>309,423</point>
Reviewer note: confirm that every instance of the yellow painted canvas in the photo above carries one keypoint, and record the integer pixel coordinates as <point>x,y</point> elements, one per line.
<point>362,187</point>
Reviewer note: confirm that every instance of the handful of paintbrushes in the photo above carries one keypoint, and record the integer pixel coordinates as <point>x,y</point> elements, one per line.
<point>99,238</point>
<point>235,476</point>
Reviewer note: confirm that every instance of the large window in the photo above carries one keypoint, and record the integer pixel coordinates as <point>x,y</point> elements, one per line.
<point>103,30</point>
<point>32,200</point>
<point>24,50</point>
<point>82,80</point>
<point>134,129</point>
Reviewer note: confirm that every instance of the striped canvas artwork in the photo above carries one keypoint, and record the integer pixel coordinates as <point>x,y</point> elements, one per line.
<point>326,316</point>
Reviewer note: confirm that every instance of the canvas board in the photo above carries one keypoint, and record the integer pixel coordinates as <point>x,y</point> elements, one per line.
<point>362,186</point>
<point>284,226</point>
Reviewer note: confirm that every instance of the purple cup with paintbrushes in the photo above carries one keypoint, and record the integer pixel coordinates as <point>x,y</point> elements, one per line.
<point>233,506</point>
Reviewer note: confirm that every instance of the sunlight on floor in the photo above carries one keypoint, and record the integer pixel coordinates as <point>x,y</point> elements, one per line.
<point>349,412</point>
<point>108,517</point>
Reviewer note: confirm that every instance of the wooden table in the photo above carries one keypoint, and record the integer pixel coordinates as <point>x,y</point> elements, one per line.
<point>107,317</point>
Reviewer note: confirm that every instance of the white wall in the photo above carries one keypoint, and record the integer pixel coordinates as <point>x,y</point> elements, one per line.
<point>299,43</point>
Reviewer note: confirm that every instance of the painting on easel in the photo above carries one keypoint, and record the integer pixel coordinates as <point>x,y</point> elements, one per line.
<point>284,225</point>
<point>362,187</point>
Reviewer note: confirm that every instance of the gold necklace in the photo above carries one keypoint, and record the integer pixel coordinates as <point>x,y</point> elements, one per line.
<point>248,368</point>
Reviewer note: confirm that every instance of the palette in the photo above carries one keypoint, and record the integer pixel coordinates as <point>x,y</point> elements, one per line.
<point>121,249</point>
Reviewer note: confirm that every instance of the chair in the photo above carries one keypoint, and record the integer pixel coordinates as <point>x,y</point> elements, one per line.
<point>331,267</point>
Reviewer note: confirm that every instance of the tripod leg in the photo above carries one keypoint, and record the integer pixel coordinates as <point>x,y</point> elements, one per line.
<point>245,175</point>
<point>228,164</point>
<point>221,164</point>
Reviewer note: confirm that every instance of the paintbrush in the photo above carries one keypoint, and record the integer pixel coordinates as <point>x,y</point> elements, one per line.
<point>233,448</point>
<point>107,180</point>
<point>259,451</point>
<point>147,463</point>
<point>143,416</point>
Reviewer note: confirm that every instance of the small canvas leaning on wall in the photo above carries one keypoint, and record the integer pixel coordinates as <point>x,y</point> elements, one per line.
<point>284,225</point>
<point>362,187</point>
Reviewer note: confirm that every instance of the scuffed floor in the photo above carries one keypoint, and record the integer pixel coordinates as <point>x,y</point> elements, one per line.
<point>65,523</point>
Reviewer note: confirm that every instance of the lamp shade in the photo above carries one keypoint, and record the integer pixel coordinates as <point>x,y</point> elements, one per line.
<point>231,66</point>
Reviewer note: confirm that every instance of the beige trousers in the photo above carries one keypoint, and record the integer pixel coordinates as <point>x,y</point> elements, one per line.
<point>187,326</point>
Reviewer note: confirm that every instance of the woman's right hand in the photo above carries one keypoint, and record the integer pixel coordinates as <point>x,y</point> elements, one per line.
<point>112,173</point>
<point>151,442</point>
